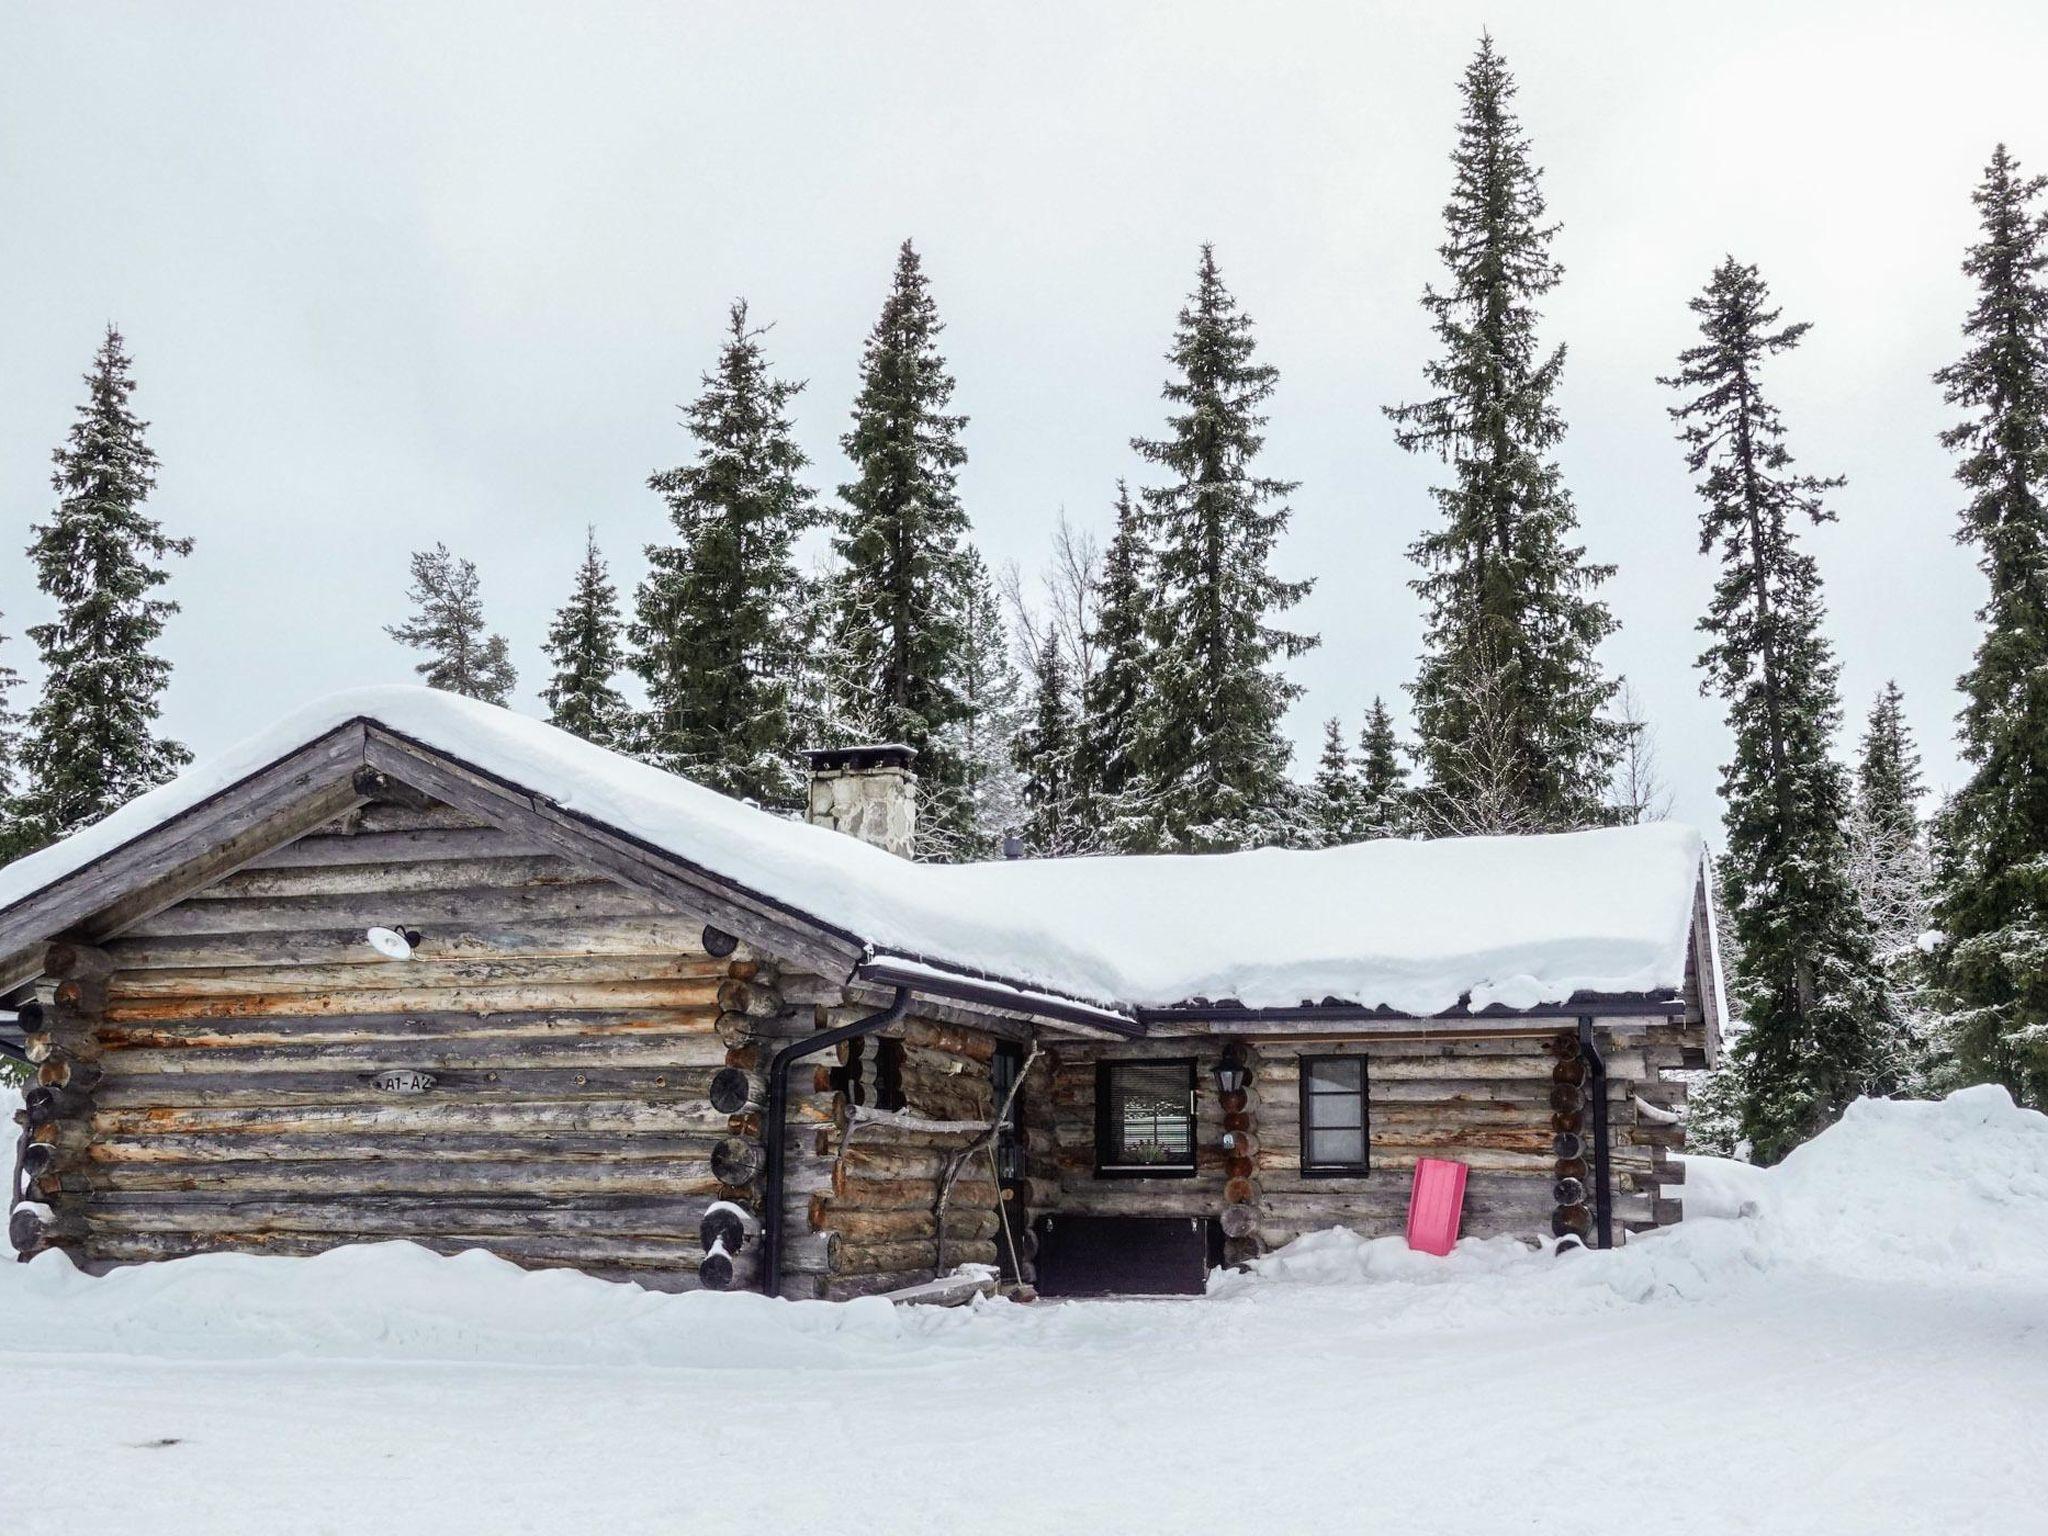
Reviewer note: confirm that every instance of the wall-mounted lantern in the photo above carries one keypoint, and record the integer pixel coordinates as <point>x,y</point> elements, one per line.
<point>1233,1068</point>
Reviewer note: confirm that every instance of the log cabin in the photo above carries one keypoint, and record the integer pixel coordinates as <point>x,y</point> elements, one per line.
<point>409,966</point>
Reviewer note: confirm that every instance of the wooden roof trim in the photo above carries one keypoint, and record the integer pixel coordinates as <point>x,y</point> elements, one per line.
<point>160,866</point>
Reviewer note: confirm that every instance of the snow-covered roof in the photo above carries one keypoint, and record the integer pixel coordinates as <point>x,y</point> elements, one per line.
<point>1417,927</point>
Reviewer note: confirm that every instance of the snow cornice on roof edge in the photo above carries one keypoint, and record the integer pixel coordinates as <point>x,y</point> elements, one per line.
<point>1467,927</point>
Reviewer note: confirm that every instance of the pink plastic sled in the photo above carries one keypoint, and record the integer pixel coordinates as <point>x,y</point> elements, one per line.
<point>1435,1205</point>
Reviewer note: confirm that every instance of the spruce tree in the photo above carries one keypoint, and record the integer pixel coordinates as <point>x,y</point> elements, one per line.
<point>448,625</point>
<point>903,599</point>
<point>1808,989</point>
<point>92,744</point>
<point>1382,777</point>
<point>1889,867</point>
<point>719,616</point>
<point>1215,759</point>
<point>1045,756</point>
<point>1334,797</point>
<point>16,835</point>
<point>1993,901</point>
<point>1509,694</point>
<point>585,646</point>
<point>1108,770</point>
<point>968,817</point>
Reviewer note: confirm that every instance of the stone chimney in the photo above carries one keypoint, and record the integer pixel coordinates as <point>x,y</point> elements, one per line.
<point>867,792</point>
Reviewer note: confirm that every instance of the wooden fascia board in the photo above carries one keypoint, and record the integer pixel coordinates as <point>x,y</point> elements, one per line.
<point>759,920</point>
<point>159,867</point>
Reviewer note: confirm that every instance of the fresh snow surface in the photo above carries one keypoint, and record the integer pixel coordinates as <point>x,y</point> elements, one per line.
<point>1851,1343</point>
<point>1409,925</point>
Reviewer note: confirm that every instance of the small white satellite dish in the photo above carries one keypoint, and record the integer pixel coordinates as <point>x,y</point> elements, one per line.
<point>389,943</point>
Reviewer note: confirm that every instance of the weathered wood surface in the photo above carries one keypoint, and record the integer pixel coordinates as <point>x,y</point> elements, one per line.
<point>573,1029</point>
<point>1485,1102</point>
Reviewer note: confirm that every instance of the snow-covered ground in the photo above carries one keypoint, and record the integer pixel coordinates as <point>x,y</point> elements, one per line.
<point>1855,1342</point>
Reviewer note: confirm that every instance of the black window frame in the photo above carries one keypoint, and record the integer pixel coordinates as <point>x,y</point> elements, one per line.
<point>1104,1168</point>
<point>1311,1169</point>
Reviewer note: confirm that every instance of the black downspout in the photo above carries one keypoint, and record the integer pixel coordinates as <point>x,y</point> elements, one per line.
<point>778,1112</point>
<point>1596,1085</point>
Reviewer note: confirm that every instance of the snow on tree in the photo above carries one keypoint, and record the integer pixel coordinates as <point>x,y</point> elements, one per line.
<point>1383,794</point>
<point>91,739</point>
<point>584,642</point>
<point>902,593</point>
<point>16,835</point>
<point>1045,755</point>
<point>1993,903</point>
<point>969,817</point>
<point>1334,797</point>
<point>1816,1021</point>
<point>1890,868</point>
<point>1066,609</point>
<point>1108,767</point>
<point>1214,756</point>
<point>1638,792</point>
<point>448,625</point>
<point>1512,620</point>
<point>716,627</point>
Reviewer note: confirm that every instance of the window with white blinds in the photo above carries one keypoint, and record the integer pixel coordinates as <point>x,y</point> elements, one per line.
<point>1145,1118</point>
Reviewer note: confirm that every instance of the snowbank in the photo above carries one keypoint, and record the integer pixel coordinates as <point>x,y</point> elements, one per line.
<point>1953,1194</point>
<point>1412,926</point>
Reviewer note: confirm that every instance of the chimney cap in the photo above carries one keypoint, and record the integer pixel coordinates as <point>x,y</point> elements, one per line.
<point>883,754</point>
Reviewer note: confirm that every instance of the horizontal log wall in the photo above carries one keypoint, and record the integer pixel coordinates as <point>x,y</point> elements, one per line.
<point>1483,1102</point>
<point>573,1027</point>
<point>872,1201</point>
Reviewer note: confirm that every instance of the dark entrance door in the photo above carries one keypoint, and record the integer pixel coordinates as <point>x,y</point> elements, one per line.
<point>1126,1255</point>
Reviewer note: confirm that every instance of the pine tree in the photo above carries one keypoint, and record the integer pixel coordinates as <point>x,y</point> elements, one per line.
<point>1334,797</point>
<point>1214,756</point>
<point>903,599</point>
<point>584,642</point>
<point>1045,755</point>
<point>92,744</point>
<point>448,625</point>
<point>1509,692</point>
<point>1890,870</point>
<point>718,616</point>
<point>1382,777</point>
<point>1108,771</point>
<point>1809,991</point>
<point>1993,902</point>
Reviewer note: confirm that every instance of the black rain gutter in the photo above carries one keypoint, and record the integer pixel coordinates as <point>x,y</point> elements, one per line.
<point>1596,1088</point>
<point>778,1114</point>
<point>994,994</point>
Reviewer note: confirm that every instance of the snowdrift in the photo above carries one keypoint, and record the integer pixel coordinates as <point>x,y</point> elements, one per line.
<point>1950,1194</point>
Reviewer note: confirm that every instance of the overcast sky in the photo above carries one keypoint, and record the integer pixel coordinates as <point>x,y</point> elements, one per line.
<point>407,272</point>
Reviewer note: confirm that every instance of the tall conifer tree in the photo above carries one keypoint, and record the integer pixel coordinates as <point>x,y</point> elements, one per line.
<point>462,656</point>
<point>1889,866</point>
<point>719,615</point>
<point>1045,755</point>
<point>903,596</point>
<point>1334,797</point>
<point>92,743</point>
<point>1108,772</point>
<point>1509,690</point>
<point>1809,991</point>
<point>1214,757</point>
<point>1993,902</point>
<point>1382,776</point>
<point>969,816</point>
<point>584,643</point>
<point>16,835</point>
